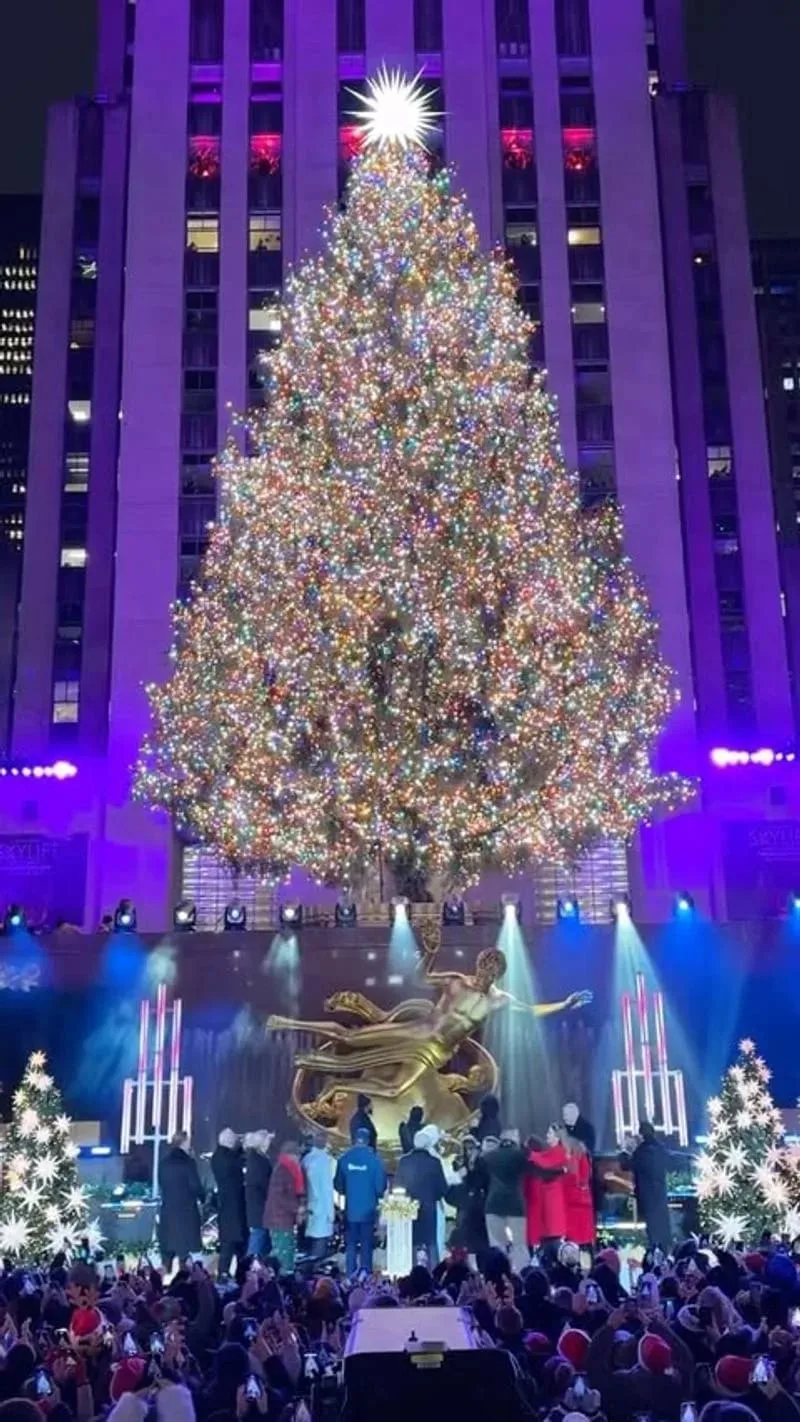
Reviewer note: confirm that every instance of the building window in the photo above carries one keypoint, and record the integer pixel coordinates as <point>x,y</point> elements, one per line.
<point>76,479</point>
<point>205,42</point>
<point>80,411</point>
<point>521,234</point>
<point>202,234</point>
<point>513,28</point>
<point>264,232</point>
<point>587,313</point>
<point>428,26</point>
<point>350,27</point>
<point>265,318</point>
<point>572,28</point>
<point>788,382</point>
<point>266,30</point>
<point>66,701</point>
<point>720,461</point>
<point>73,557</point>
<point>583,236</point>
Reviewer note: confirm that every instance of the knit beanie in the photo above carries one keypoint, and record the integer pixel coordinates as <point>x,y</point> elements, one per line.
<point>610,1258</point>
<point>732,1374</point>
<point>127,1376</point>
<point>574,1346</point>
<point>655,1353</point>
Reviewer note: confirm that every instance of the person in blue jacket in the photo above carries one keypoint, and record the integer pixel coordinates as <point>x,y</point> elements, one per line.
<point>361,1179</point>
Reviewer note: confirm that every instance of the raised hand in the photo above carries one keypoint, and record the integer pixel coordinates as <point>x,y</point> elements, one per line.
<point>580,999</point>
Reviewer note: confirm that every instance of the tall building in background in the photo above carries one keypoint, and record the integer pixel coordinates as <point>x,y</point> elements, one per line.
<point>776,273</point>
<point>20,217</point>
<point>175,201</point>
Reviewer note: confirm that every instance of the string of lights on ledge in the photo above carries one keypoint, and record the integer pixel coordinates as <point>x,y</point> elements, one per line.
<point>723,757</point>
<point>55,770</point>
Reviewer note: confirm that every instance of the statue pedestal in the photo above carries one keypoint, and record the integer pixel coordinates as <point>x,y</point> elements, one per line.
<point>399,1213</point>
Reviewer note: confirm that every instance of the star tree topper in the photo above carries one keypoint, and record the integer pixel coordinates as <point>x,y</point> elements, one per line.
<point>394,110</point>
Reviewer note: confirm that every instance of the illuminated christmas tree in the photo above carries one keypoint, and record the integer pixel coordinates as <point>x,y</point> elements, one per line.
<point>744,1176</point>
<point>408,640</point>
<point>43,1209</point>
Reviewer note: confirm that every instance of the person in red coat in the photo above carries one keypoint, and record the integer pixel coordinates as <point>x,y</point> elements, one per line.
<point>544,1198</point>
<point>580,1227</point>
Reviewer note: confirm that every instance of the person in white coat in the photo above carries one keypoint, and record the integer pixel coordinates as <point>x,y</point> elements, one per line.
<point>318,1166</point>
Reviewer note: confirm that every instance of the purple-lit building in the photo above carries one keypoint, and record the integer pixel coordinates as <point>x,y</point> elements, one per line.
<point>174,201</point>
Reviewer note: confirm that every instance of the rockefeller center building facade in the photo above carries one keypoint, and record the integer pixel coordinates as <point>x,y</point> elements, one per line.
<point>175,200</point>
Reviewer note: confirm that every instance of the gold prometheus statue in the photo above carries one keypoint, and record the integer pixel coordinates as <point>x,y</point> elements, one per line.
<point>421,1053</point>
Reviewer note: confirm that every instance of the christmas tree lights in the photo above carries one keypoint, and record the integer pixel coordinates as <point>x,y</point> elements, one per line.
<point>745,1175</point>
<point>408,640</point>
<point>43,1209</point>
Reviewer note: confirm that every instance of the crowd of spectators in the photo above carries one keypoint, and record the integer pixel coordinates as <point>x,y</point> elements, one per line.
<point>702,1337</point>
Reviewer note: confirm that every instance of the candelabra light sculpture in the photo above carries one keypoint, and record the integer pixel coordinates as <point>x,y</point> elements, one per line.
<point>144,1117</point>
<point>636,1088</point>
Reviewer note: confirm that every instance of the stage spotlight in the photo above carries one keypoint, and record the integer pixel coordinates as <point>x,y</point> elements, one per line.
<point>235,919</point>
<point>125,916</point>
<point>399,911</point>
<point>291,916</point>
<point>511,907</point>
<point>14,919</point>
<point>684,904</point>
<point>568,909</point>
<point>454,912</point>
<point>794,903</point>
<point>620,908</point>
<point>184,916</point>
<point>345,913</point>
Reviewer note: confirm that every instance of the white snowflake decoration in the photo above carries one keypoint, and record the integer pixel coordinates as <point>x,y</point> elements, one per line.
<point>19,1163</point>
<point>735,1159</point>
<point>29,1123</point>
<point>31,1197</point>
<point>72,1151</point>
<point>46,1169</point>
<point>62,1123</point>
<point>62,1236</point>
<point>743,1120</point>
<point>747,1046</point>
<point>43,1136</point>
<point>729,1228</point>
<point>93,1234</point>
<point>14,1235</point>
<point>714,1106</point>
<point>722,1182</point>
<point>76,1200</point>
<point>776,1194</point>
<point>52,1214</point>
<point>791,1223</point>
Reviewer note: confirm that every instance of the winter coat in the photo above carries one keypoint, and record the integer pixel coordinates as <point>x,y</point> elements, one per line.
<point>408,1129</point>
<point>181,1197</point>
<point>258,1169</point>
<point>361,1179</point>
<point>468,1197</point>
<point>577,1185</point>
<point>285,1194</point>
<point>421,1175</point>
<point>584,1131</point>
<point>648,1164</point>
<point>318,1170</point>
<point>362,1121</point>
<point>506,1168</point>
<point>227,1167</point>
<point>545,1205</point>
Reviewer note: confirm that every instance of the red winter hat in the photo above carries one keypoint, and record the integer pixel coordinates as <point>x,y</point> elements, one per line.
<point>732,1374</point>
<point>574,1346</point>
<point>754,1263</point>
<point>655,1353</point>
<point>85,1321</point>
<point>127,1377</point>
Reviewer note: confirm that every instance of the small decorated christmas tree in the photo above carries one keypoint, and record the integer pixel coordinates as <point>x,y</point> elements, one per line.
<point>743,1179</point>
<point>43,1209</point>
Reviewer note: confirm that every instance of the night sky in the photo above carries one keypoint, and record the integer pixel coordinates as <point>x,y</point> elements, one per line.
<point>749,48</point>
